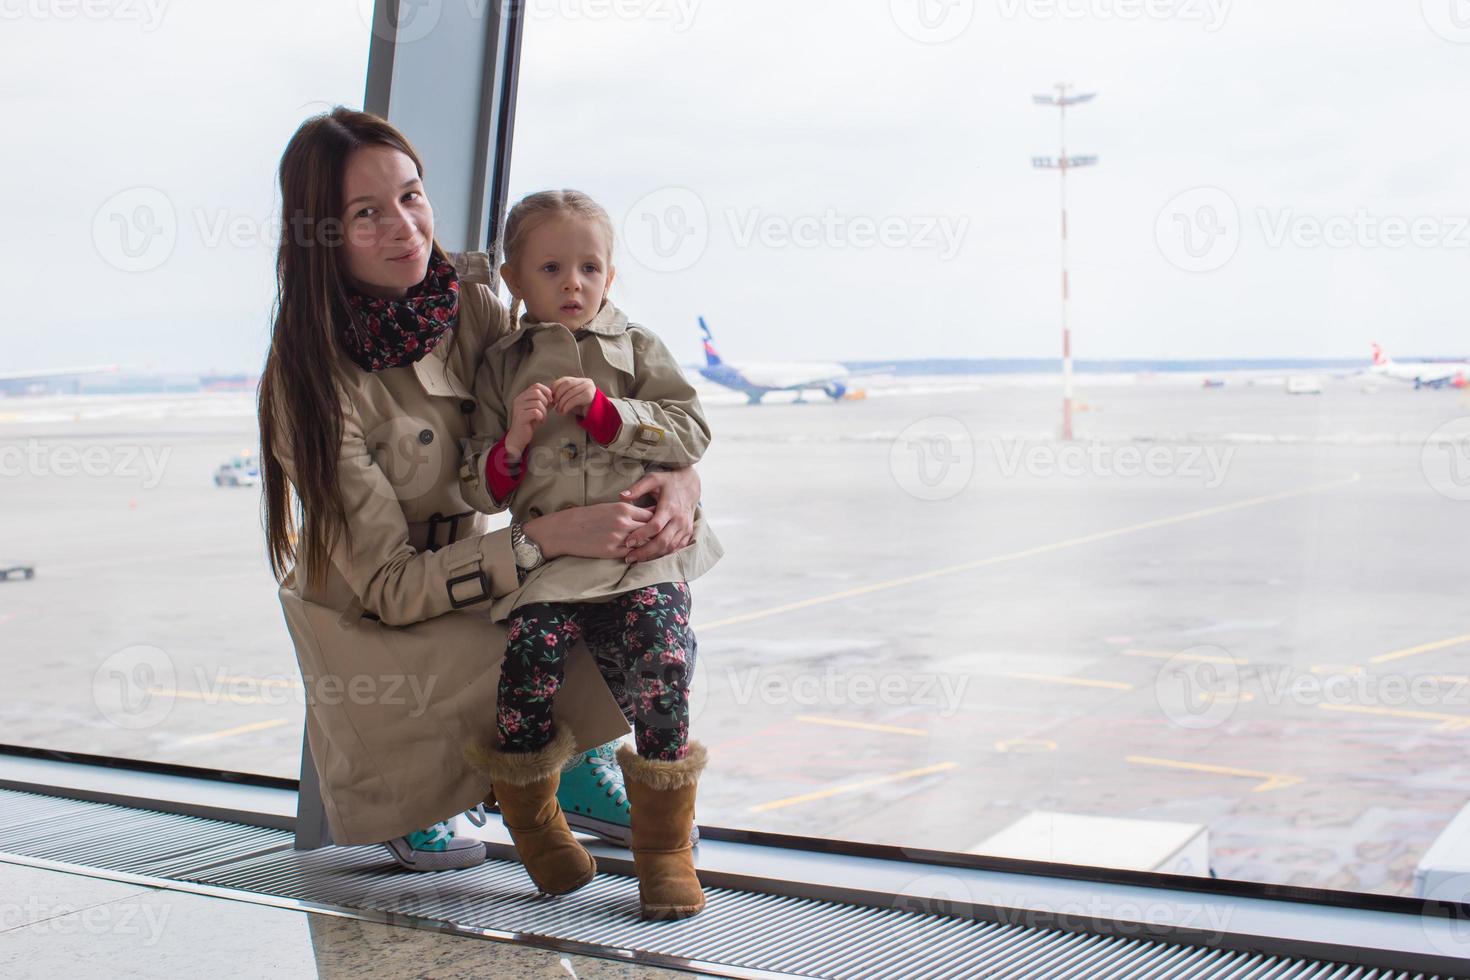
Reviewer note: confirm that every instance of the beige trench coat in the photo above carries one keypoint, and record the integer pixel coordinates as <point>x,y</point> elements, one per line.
<point>399,655</point>
<point>663,424</point>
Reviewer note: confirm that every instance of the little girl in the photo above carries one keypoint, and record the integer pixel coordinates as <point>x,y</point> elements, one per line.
<point>572,406</point>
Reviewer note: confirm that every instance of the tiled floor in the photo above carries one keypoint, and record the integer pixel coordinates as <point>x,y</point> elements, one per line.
<point>54,924</point>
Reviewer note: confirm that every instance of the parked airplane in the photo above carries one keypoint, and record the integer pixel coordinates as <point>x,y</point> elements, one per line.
<point>1424,374</point>
<point>754,380</point>
<point>29,382</point>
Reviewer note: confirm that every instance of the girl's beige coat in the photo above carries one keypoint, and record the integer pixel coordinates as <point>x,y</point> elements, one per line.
<point>662,425</point>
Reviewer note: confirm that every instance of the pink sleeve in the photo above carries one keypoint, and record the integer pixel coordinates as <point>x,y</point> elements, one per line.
<point>502,474</point>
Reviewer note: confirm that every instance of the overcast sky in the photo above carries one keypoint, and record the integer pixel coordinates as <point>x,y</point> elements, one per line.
<point>820,179</point>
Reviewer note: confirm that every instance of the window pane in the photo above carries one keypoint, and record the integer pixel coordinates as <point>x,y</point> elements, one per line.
<point>1179,640</point>
<point>141,218</point>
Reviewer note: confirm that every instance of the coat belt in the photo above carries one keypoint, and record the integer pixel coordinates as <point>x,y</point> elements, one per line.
<point>442,529</point>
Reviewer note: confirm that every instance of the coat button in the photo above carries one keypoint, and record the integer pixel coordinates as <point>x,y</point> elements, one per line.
<point>534,512</point>
<point>426,436</point>
<point>570,449</point>
<point>467,406</point>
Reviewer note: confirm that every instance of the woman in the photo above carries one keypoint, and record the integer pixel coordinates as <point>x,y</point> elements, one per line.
<point>386,574</point>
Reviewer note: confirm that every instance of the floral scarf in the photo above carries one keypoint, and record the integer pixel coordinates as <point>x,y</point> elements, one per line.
<point>388,333</point>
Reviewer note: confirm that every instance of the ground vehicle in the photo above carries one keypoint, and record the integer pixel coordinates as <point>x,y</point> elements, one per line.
<point>11,569</point>
<point>242,471</point>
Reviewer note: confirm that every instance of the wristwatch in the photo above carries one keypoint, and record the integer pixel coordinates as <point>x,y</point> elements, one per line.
<point>527,552</point>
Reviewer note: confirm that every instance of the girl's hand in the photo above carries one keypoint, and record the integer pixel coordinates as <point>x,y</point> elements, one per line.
<point>572,394</point>
<point>672,524</point>
<point>593,531</point>
<point>527,412</point>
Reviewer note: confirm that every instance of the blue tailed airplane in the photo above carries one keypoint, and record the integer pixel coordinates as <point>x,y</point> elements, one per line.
<point>754,380</point>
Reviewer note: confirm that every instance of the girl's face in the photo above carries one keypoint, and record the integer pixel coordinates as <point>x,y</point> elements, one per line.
<point>563,270</point>
<point>389,226</point>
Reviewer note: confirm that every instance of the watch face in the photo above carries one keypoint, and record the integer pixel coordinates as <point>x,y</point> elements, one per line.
<point>527,554</point>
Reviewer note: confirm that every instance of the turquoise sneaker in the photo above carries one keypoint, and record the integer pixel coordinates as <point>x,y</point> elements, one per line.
<point>436,849</point>
<point>592,796</point>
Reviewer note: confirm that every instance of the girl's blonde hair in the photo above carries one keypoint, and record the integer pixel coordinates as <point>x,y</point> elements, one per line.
<point>532,209</point>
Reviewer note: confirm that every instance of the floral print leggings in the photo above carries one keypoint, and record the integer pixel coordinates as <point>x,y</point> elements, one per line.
<point>643,646</point>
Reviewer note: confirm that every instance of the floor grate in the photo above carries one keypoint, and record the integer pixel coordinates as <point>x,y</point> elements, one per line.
<point>749,933</point>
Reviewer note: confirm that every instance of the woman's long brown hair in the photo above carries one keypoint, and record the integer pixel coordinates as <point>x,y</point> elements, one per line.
<point>297,402</point>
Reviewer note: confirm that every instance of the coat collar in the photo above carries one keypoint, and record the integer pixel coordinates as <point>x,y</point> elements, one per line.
<point>434,374</point>
<point>609,323</point>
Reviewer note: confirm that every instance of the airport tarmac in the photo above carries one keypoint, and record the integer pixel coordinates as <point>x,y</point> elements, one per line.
<point>1228,607</point>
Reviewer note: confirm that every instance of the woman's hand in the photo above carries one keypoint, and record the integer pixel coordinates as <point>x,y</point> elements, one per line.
<point>593,531</point>
<point>672,524</point>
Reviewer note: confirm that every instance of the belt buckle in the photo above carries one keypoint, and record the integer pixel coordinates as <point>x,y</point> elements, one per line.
<point>478,575</point>
<point>435,519</point>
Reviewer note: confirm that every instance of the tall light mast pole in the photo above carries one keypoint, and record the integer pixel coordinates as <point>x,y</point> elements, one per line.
<point>1062,164</point>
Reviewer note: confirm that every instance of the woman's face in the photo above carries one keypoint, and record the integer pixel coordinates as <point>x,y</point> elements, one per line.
<point>389,224</point>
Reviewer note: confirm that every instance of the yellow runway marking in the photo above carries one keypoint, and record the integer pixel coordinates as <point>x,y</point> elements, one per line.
<point>1421,648</point>
<point>1062,679</point>
<point>1203,658</point>
<point>1043,549</point>
<point>866,726</point>
<point>853,787</point>
<point>255,726</point>
<point>1271,780</point>
<point>1447,722</point>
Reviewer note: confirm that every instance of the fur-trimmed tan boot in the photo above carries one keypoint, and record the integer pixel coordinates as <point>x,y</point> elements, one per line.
<point>661,796</point>
<point>525,788</point>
